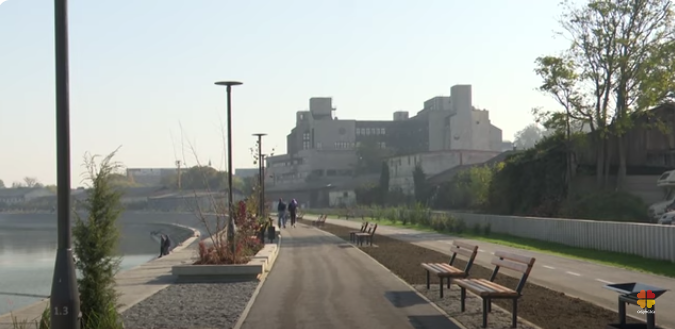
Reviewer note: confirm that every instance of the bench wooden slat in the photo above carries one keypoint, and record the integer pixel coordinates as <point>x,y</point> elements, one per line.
<point>486,288</point>
<point>515,257</point>
<point>462,251</point>
<point>522,268</point>
<point>443,270</point>
<point>464,245</point>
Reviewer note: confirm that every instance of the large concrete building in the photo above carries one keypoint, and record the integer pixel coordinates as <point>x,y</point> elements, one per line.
<point>321,160</point>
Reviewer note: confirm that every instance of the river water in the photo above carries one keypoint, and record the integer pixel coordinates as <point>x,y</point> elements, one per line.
<point>28,244</point>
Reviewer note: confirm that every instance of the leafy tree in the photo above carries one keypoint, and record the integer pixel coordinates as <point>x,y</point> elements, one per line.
<point>421,185</point>
<point>384,183</point>
<point>95,244</point>
<point>2,184</point>
<point>528,137</point>
<point>619,63</point>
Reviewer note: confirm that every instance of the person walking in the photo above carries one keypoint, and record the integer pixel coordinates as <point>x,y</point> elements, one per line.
<point>293,209</point>
<point>281,208</point>
<point>162,242</point>
<point>167,245</point>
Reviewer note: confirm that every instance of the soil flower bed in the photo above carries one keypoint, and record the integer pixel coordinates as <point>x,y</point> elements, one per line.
<point>543,307</point>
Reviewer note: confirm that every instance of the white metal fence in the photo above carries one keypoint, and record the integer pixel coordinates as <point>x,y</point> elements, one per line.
<point>647,240</point>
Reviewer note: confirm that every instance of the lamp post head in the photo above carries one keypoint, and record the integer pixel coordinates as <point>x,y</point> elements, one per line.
<point>228,83</point>
<point>259,134</point>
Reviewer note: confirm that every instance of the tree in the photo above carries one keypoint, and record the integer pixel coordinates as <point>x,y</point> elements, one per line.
<point>121,180</point>
<point>618,64</point>
<point>384,183</point>
<point>31,182</point>
<point>96,238</point>
<point>2,184</point>
<point>528,137</point>
<point>421,185</point>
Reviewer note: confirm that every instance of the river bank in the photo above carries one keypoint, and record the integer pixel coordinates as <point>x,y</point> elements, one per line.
<point>134,284</point>
<point>27,247</point>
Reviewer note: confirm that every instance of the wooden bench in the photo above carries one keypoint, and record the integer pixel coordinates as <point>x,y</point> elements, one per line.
<point>489,290</point>
<point>321,220</point>
<point>367,236</point>
<point>449,272</point>
<point>352,234</point>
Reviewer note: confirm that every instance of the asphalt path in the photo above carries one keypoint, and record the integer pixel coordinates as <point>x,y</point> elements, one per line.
<point>577,278</point>
<point>319,281</point>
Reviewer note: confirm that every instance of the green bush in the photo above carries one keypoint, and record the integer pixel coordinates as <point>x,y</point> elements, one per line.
<point>487,229</point>
<point>476,229</point>
<point>460,226</point>
<point>95,244</point>
<point>606,206</point>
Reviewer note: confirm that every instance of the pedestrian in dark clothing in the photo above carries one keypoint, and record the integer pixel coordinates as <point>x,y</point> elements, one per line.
<point>293,209</point>
<point>167,245</point>
<point>162,242</point>
<point>281,208</point>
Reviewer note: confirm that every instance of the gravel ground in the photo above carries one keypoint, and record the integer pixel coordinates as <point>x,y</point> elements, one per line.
<point>472,318</point>
<point>192,306</point>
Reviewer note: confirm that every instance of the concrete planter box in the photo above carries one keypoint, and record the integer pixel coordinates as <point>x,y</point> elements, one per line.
<point>260,263</point>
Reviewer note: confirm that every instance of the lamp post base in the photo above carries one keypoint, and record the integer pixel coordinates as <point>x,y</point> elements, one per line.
<point>64,302</point>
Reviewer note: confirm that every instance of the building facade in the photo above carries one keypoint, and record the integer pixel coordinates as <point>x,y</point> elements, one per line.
<point>322,149</point>
<point>401,168</point>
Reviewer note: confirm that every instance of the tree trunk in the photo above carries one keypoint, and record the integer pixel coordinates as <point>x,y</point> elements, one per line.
<point>608,162</point>
<point>621,174</point>
<point>600,160</point>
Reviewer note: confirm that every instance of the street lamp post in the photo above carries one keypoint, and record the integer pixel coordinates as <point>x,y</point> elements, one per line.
<point>260,175</point>
<point>230,222</point>
<point>64,300</point>
<point>262,171</point>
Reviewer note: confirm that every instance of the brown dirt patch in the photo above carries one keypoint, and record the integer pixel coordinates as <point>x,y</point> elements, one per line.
<point>543,307</point>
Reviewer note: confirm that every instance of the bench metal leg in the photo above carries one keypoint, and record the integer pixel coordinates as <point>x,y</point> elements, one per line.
<point>428,280</point>
<point>489,305</point>
<point>514,313</point>
<point>485,312</point>
<point>462,297</point>
<point>440,279</point>
<point>448,283</point>
<point>622,312</point>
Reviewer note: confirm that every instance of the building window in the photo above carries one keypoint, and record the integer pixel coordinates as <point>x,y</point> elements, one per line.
<point>305,136</point>
<point>382,131</point>
<point>305,145</point>
<point>319,146</point>
<point>302,117</point>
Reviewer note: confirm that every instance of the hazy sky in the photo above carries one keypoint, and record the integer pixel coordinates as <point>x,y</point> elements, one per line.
<point>141,69</point>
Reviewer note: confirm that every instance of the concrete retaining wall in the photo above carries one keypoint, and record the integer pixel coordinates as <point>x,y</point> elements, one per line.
<point>647,240</point>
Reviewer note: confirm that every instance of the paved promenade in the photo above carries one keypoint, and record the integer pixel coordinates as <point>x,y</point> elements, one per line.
<point>574,277</point>
<point>321,282</point>
<point>134,285</point>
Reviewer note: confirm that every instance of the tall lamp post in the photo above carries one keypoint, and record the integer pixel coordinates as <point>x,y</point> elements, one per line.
<point>65,299</point>
<point>230,222</point>
<point>262,171</point>
<point>261,180</point>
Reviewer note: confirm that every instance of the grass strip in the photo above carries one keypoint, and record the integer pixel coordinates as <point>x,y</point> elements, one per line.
<point>621,260</point>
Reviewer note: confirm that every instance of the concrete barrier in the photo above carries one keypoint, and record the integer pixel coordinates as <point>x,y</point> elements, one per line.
<point>652,241</point>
